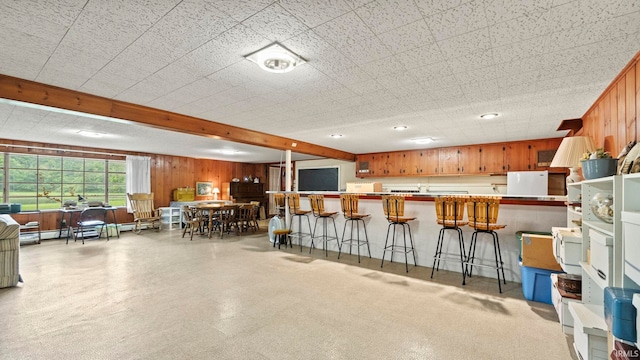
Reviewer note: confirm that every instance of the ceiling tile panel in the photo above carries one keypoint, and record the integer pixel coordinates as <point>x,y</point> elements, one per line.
<point>385,15</point>
<point>421,57</point>
<point>519,29</point>
<point>498,11</point>
<point>345,30</point>
<point>275,23</point>
<point>47,21</point>
<point>465,44</point>
<point>321,12</point>
<point>462,19</point>
<point>431,7</point>
<point>407,37</point>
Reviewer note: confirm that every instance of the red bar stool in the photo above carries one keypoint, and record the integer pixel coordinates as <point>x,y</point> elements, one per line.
<point>450,214</point>
<point>349,205</point>
<point>317,207</point>
<point>482,212</point>
<point>393,207</point>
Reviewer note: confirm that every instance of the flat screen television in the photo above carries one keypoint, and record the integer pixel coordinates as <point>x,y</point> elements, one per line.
<point>319,179</point>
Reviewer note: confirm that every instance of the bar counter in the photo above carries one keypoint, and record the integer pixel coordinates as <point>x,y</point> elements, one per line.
<point>519,213</point>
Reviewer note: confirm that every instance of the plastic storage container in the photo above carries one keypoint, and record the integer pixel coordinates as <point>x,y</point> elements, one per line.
<point>619,313</point>
<point>536,284</point>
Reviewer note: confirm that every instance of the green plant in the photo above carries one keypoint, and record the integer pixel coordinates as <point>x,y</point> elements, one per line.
<point>599,153</point>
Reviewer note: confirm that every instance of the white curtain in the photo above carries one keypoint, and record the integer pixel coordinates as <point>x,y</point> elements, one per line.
<point>138,176</point>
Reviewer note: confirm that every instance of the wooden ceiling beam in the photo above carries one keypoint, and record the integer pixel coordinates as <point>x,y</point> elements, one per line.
<point>37,93</point>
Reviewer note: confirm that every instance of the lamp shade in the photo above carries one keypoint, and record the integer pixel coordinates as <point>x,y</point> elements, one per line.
<point>571,151</point>
<point>216,190</point>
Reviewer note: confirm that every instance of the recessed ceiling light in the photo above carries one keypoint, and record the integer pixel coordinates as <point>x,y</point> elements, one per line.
<point>336,136</point>
<point>400,127</point>
<point>489,116</point>
<point>92,134</point>
<point>276,58</point>
<point>423,140</point>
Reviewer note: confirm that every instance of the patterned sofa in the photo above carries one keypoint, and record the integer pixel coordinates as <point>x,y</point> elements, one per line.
<point>9,251</point>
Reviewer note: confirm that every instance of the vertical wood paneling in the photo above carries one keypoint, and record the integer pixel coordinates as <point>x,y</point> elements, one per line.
<point>630,111</point>
<point>637,127</point>
<point>612,119</point>
<point>609,122</point>
<point>622,121</point>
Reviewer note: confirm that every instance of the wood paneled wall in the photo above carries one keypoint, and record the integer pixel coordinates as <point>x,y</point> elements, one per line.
<point>170,172</point>
<point>612,119</point>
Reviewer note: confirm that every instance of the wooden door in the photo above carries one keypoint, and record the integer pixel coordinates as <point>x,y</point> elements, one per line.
<point>492,159</point>
<point>469,159</point>
<point>364,165</point>
<point>429,162</point>
<point>449,161</point>
<point>517,156</point>
<point>542,152</point>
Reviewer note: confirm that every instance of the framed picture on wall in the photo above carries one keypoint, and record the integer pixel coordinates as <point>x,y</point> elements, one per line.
<point>204,188</point>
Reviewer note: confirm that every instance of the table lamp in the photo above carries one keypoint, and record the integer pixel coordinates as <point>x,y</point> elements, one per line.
<point>216,191</point>
<point>570,153</point>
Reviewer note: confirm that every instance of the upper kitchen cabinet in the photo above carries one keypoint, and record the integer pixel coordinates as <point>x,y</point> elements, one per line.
<point>365,166</point>
<point>531,155</point>
<point>543,151</point>
<point>492,159</point>
<point>429,162</point>
<point>469,159</point>
<point>449,160</point>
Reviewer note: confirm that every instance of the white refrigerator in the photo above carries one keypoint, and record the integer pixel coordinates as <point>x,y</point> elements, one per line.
<point>527,182</point>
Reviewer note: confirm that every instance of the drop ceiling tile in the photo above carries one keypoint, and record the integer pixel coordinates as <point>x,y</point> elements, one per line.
<point>627,24</point>
<point>519,29</point>
<point>396,80</point>
<point>462,19</point>
<point>627,7</point>
<point>431,71</point>
<point>240,10</point>
<point>365,51</point>
<point>448,92</point>
<point>190,25</point>
<point>382,16</point>
<point>47,21</point>
<point>577,36</point>
<point>345,30</point>
<point>465,44</point>
<point>320,13</point>
<point>407,37</point>
<point>521,49</point>
<point>423,57</point>
<point>503,10</point>
<point>582,12</point>
<point>476,60</point>
<point>477,75</point>
<point>410,90</point>
<point>431,7</point>
<point>67,78</point>
<point>275,23</point>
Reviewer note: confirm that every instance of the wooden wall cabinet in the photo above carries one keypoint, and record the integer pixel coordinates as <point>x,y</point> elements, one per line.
<point>495,158</point>
<point>448,160</point>
<point>492,159</point>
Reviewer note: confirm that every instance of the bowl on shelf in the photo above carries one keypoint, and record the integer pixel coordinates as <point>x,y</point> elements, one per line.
<point>602,207</point>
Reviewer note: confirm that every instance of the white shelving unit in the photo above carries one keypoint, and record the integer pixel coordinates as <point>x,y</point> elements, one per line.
<point>590,329</point>
<point>170,218</point>
<point>630,218</point>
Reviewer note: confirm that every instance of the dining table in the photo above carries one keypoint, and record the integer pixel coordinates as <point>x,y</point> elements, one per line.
<point>220,215</point>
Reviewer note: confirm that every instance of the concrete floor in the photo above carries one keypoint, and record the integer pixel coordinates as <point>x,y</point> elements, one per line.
<point>159,296</point>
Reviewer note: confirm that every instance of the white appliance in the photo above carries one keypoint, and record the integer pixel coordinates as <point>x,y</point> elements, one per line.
<point>527,182</point>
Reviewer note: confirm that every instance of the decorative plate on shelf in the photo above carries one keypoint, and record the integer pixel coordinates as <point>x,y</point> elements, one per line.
<point>602,207</point>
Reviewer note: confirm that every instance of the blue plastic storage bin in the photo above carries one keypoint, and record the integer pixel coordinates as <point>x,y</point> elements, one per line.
<point>619,312</point>
<point>536,284</point>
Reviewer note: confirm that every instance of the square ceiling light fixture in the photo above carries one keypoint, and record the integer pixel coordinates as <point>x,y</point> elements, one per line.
<point>276,58</point>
